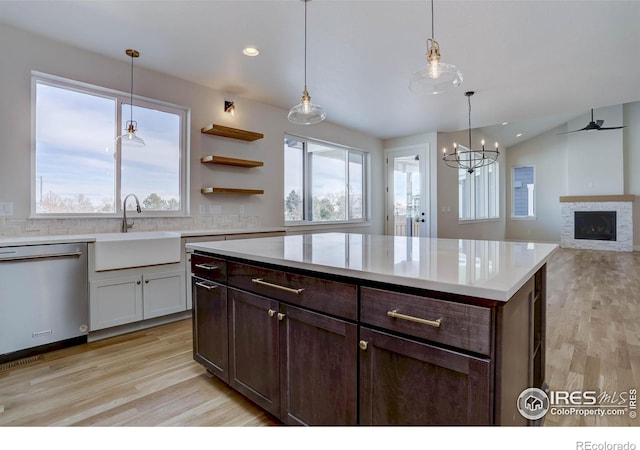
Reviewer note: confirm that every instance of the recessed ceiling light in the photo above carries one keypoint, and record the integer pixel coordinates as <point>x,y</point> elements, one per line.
<point>519,134</point>
<point>251,51</point>
<point>505,123</point>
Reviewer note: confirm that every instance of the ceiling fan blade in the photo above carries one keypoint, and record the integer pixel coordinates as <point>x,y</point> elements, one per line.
<point>599,122</point>
<point>612,128</point>
<point>574,131</point>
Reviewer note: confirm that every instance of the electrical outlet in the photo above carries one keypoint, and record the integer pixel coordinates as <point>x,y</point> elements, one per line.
<point>215,209</point>
<point>6,209</point>
<point>203,210</point>
<point>241,209</point>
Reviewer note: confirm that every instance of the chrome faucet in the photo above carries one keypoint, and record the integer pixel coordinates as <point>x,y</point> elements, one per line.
<point>125,224</point>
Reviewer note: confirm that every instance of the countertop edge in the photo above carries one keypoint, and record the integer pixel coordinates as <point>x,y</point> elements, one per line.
<point>91,237</point>
<point>466,290</point>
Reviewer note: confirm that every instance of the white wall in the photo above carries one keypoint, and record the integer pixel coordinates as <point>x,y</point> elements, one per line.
<point>631,137</point>
<point>595,158</point>
<point>548,154</point>
<point>23,52</point>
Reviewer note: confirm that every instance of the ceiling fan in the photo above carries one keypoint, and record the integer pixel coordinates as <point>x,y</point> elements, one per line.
<point>594,126</point>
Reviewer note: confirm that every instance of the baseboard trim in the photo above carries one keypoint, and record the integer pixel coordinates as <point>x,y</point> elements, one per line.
<point>136,326</point>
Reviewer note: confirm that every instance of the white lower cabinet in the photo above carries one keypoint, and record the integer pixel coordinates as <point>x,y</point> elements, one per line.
<point>163,293</point>
<point>136,294</point>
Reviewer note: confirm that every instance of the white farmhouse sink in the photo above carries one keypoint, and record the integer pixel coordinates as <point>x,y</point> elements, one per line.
<point>144,248</point>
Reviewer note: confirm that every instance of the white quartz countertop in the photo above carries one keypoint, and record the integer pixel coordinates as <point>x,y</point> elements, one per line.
<point>485,269</point>
<point>91,237</point>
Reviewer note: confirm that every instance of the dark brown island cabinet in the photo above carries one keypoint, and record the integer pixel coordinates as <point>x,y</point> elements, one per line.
<point>323,349</point>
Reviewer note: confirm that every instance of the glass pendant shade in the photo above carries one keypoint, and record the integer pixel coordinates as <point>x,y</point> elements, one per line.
<point>435,78</point>
<point>130,138</point>
<point>305,112</point>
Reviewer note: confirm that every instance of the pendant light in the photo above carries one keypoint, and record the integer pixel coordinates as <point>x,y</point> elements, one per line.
<point>436,77</point>
<point>306,113</point>
<point>469,159</point>
<point>130,138</point>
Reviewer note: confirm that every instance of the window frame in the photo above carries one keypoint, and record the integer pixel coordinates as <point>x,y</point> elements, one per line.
<point>471,191</point>
<point>513,197</point>
<point>307,201</point>
<point>120,98</point>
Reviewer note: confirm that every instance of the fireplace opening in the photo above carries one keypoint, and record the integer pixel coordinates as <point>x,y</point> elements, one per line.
<point>595,225</point>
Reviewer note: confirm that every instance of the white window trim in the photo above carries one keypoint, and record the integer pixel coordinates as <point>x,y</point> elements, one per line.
<point>119,97</point>
<point>365,220</point>
<point>513,199</point>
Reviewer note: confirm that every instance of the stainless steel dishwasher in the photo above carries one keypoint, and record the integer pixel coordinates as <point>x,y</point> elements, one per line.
<point>43,298</point>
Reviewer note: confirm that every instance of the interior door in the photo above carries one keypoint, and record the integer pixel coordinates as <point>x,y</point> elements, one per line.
<point>407,196</point>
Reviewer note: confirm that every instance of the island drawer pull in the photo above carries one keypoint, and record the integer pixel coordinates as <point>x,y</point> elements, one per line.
<point>207,266</point>
<point>209,287</point>
<point>396,315</point>
<point>282,288</point>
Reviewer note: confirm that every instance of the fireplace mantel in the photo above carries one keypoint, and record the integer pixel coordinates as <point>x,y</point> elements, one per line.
<point>597,198</point>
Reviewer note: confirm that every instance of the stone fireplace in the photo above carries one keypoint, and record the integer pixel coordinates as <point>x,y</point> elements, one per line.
<point>602,222</point>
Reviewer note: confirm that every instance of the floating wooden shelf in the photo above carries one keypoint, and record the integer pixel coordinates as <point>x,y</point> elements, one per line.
<point>233,133</point>
<point>212,159</point>
<point>219,190</point>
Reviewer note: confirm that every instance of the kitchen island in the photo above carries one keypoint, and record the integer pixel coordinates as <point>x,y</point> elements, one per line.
<point>345,329</point>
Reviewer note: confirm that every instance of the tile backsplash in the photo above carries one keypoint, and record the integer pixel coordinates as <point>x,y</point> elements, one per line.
<point>10,227</point>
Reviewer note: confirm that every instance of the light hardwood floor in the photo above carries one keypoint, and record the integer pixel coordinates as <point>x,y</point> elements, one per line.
<point>148,378</point>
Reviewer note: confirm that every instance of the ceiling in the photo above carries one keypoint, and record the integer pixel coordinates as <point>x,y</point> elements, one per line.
<point>535,64</point>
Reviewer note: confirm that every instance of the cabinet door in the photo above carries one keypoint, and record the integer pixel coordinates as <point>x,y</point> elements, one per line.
<point>319,375</point>
<point>253,348</point>
<point>210,343</point>
<point>115,301</point>
<point>164,293</point>
<point>405,382</point>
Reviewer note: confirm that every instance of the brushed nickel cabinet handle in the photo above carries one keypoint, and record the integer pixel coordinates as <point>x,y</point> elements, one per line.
<point>207,267</point>
<point>271,313</point>
<point>277,286</point>
<point>208,287</point>
<point>396,315</point>
<point>363,345</point>
<point>281,316</point>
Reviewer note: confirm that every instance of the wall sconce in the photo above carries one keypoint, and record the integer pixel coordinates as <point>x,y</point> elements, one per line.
<point>229,108</point>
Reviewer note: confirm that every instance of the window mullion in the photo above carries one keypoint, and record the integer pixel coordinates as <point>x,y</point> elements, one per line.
<point>347,199</point>
<point>117,150</point>
<point>307,200</point>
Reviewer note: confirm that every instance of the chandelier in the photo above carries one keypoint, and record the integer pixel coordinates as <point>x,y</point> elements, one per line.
<point>467,158</point>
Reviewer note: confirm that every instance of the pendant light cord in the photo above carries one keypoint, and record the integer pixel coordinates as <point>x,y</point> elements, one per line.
<point>469,101</point>
<point>432,31</point>
<point>131,92</point>
<point>305,44</point>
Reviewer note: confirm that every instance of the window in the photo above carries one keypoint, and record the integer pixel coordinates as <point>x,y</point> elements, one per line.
<point>478,193</point>
<point>523,203</point>
<point>323,182</point>
<point>79,167</point>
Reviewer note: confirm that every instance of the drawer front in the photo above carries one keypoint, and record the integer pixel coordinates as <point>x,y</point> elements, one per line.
<point>331,297</point>
<point>463,326</point>
<point>209,268</point>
